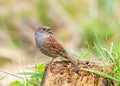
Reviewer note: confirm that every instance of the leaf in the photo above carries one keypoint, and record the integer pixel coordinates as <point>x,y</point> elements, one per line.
<point>100,73</point>
<point>16,83</point>
<point>32,74</point>
<point>40,67</point>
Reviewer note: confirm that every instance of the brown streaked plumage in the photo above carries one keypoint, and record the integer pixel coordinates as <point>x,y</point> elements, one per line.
<point>49,46</point>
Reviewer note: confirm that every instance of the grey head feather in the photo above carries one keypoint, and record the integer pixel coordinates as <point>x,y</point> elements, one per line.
<point>40,37</point>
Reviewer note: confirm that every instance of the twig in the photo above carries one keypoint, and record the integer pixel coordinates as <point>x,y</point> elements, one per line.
<point>11,74</point>
<point>19,77</point>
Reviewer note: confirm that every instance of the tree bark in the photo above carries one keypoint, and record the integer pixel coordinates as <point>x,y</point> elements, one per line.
<point>62,73</point>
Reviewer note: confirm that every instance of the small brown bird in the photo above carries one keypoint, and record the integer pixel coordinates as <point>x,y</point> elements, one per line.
<point>49,46</point>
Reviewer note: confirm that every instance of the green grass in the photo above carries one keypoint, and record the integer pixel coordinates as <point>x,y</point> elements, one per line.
<point>106,25</point>
<point>110,55</point>
<point>34,78</point>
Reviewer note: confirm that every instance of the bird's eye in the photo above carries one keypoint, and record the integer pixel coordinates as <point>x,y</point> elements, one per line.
<point>44,29</point>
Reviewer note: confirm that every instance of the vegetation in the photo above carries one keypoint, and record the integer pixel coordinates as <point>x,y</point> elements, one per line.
<point>96,22</point>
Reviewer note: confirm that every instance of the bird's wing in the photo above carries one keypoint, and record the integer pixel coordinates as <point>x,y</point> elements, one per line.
<point>57,49</point>
<point>54,47</point>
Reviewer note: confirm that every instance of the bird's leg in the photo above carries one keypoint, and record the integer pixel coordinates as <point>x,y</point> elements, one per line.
<point>52,61</point>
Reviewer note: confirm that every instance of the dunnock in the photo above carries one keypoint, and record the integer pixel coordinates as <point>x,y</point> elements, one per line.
<point>49,46</point>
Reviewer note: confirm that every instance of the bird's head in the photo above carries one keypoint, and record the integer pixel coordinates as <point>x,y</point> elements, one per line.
<point>44,29</point>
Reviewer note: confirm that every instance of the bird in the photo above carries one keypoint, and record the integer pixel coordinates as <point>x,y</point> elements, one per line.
<point>48,45</point>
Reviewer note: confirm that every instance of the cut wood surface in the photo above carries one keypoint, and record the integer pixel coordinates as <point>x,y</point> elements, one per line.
<point>62,73</point>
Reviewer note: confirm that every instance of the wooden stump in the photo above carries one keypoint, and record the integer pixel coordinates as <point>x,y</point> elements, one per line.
<point>64,74</point>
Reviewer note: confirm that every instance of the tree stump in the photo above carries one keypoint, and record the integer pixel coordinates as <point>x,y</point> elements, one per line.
<point>62,73</point>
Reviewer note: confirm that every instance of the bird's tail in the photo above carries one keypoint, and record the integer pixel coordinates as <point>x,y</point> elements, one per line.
<point>72,61</point>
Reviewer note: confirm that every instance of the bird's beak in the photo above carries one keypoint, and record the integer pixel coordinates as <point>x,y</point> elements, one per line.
<point>50,31</point>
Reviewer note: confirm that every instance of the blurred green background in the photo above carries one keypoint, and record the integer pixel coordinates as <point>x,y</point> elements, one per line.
<point>77,24</point>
